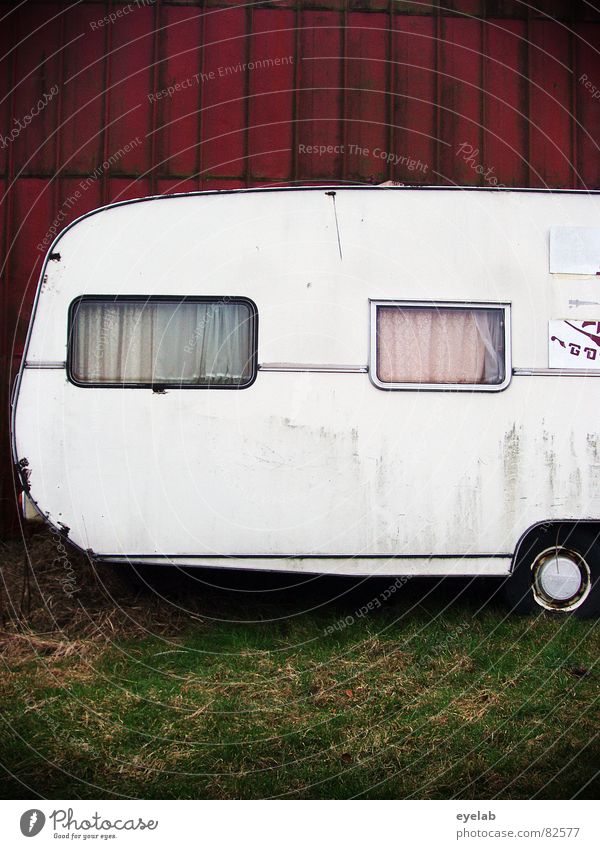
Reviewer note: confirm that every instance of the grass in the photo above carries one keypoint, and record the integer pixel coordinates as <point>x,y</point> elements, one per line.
<point>240,686</point>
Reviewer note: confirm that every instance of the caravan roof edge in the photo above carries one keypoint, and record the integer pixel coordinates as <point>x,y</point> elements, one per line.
<point>312,188</point>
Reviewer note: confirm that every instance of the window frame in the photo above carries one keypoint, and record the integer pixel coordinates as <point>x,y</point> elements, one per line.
<point>229,299</point>
<point>505,306</point>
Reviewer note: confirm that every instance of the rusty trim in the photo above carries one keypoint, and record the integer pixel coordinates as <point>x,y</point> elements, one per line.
<point>23,473</point>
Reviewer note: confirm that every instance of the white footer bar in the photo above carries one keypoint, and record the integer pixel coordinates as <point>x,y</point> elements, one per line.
<point>277,824</point>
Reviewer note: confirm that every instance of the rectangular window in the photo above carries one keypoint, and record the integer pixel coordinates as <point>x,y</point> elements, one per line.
<point>161,341</point>
<point>440,345</point>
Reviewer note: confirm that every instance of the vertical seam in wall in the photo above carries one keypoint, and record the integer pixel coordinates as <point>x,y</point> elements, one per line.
<point>391,86</point>
<point>528,96</point>
<point>573,47</point>
<point>483,83</point>
<point>200,118</point>
<point>345,92</point>
<point>7,479</point>
<point>438,90</point>
<point>56,193</point>
<point>106,103</point>
<point>249,16</point>
<point>155,88</point>
<point>9,212</point>
<point>296,100</point>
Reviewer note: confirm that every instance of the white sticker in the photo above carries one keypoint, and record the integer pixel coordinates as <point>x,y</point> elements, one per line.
<point>575,250</point>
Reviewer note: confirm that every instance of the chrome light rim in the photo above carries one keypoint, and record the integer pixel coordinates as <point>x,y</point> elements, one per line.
<point>561,579</point>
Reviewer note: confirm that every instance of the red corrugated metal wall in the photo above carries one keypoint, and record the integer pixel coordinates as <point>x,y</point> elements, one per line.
<point>463,92</point>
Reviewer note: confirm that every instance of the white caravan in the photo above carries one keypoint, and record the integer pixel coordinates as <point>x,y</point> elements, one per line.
<point>352,381</point>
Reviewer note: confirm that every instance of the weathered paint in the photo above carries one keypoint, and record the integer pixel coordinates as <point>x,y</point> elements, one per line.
<point>411,82</point>
<point>316,469</point>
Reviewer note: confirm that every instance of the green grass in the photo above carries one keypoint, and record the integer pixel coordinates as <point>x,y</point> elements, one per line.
<point>245,695</point>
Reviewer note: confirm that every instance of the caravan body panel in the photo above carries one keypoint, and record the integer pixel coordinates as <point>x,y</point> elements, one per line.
<point>312,466</point>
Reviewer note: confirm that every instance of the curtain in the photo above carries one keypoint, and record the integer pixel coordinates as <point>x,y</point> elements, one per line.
<point>439,345</point>
<point>177,342</point>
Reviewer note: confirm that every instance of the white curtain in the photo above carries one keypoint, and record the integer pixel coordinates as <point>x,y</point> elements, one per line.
<point>187,342</point>
<point>439,345</point>
<point>490,326</point>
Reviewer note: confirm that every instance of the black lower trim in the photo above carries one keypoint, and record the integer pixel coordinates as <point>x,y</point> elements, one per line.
<point>308,556</point>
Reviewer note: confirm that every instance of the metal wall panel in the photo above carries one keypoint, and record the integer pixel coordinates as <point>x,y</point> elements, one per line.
<point>462,92</point>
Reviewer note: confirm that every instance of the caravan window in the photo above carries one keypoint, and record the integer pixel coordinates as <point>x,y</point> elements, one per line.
<point>439,345</point>
<point>185,342</point>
